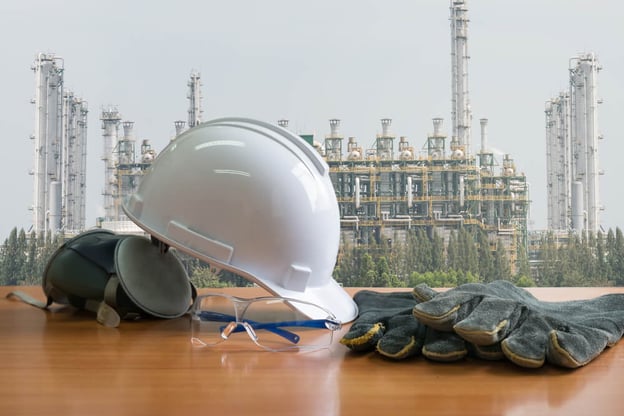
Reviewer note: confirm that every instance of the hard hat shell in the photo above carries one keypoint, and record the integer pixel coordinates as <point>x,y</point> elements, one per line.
<point>252,198</point>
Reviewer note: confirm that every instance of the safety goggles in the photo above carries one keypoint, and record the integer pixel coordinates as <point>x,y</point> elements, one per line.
<point>272,323</point>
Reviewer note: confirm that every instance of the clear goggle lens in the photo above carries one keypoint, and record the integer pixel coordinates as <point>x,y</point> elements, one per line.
<point>273,323</point>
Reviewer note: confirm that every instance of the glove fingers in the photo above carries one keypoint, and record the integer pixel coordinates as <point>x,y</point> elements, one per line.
<point>376,309</point>
<point>443,346</point>
<point>403,338</point>
<point>446,309</point>
<point>575,346</point>
<point>423,293</point>
<point>612,325</point>
<point>363,336</point>
<point>490,321</point>
<point>487,352</point>
<point>526,345</point>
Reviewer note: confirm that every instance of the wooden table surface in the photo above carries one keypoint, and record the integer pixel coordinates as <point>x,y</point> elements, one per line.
<point>62,362</point>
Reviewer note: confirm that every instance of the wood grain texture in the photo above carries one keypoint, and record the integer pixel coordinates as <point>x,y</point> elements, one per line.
<point>61,362</point>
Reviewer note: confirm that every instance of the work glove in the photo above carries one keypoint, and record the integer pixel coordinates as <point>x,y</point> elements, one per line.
<point>530,332</point>
<point>386,324</point>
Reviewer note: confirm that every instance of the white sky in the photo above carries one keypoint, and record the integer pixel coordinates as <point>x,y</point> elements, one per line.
<point>309,61</point>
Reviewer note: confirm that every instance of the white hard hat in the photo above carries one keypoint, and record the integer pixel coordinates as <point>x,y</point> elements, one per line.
<point>251,198</point>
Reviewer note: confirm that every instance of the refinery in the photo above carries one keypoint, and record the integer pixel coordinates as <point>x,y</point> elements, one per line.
<point>438,182</point>
<point>572,150</point>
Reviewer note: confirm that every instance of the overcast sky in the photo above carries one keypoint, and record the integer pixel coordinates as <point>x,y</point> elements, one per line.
<point>307,62</point>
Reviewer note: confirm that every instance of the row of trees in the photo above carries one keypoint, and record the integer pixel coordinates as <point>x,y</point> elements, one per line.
<point>23,257</point>
<point>589,260</point>
<point>423,258</point>
<point>570,260</point>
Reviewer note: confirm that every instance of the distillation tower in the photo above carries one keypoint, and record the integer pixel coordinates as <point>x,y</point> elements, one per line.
<point>48,115</point>
<point>74,163</point>
<point>461,114</point>
<point>194,96</point>
<point>572,150</point>
<point>60,151</point>
<point>194,111</point>
<point>111,120</point>
<point>558,163</point>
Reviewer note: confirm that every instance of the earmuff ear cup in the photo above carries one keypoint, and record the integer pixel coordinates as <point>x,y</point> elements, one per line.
<point>154,280</point>
<point>79,269</point>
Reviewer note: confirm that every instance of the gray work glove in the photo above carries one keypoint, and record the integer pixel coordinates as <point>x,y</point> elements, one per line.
<point>386,324</point>
<point>530,332</point>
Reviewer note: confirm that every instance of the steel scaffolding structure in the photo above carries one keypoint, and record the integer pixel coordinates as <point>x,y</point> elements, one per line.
<point>383,192</point>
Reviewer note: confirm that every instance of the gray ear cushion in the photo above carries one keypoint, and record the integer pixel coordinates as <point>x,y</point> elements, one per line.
<point>153,280</point>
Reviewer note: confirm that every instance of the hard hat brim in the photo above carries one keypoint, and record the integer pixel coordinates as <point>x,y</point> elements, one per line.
<point>330,296</point>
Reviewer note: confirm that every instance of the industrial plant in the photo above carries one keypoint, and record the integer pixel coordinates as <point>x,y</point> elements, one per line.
<point>60,142</point>
<point>572,150</point>
<point>123,167</point>
<point>386,190</point>
<point>383,191</point>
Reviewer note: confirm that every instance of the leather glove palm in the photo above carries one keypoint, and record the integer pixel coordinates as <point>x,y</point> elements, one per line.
<point>386,324</point>
<point>568,334</point>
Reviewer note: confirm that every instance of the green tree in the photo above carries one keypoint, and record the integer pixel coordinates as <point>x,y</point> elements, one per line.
<point>487,270</point>
<point>453,260</point>
<point>348,265</point>
<point>572,263</point>
<point>382,277</point>
<point>21,257</point>
<point>524,281</point>
<point>522,263</point>
<point>616,256</point>
<point>385,277</point>
<point>440,278</point>
<point>31,273</point>
<point>424,253</point>
<point>469,249</point>
<point>10,262</point>
<point>367,271</point>
<point>549,269</point>
<point>501,262</point>
<point>204,276</point>
<point>610,258</point>
<point>437,252</point>
<point>601,260</point>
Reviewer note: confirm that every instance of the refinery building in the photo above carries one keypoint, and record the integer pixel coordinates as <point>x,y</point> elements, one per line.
<point>395,186</point>
<point>438,182</point>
